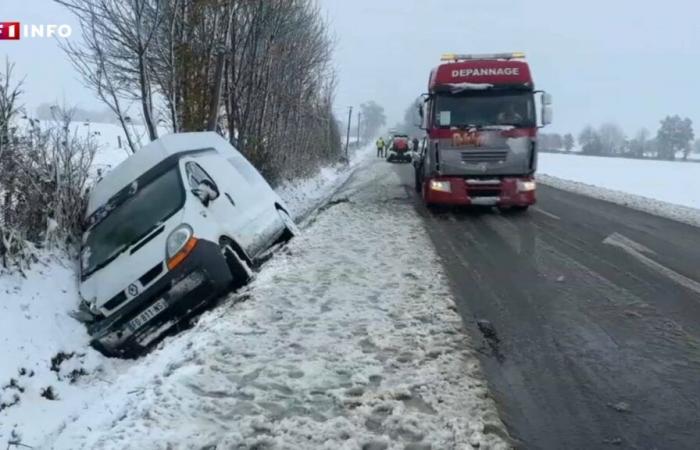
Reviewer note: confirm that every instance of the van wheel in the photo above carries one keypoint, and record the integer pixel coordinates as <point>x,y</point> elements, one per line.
<point>291,228</point>
<point>239,267</point>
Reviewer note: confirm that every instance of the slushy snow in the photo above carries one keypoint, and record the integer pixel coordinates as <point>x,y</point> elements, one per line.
<point>347,338</point>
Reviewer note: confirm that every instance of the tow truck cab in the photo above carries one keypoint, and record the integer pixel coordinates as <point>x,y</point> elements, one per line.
<point>481,132</point>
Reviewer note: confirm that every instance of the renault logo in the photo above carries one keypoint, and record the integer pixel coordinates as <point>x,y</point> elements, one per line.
<point>133,290</point>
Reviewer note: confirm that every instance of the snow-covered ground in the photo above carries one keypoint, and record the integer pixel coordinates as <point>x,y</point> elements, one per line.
<point>666,188</point>
<point>344,339</point>
<point>347,339</point>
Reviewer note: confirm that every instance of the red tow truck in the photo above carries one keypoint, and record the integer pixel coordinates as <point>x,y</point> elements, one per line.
<point>481,128</point>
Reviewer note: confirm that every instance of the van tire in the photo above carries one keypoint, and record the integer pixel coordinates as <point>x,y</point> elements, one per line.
<point>291,228</point>
<point>237,265</point>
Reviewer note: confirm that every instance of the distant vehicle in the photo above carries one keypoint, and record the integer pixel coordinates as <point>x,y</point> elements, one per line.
<point>399,149</point>
<point>481,143</point>
<point>175,225</point>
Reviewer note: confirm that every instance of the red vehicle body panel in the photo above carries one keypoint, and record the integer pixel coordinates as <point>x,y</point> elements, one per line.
<point>497,72</point>
<point>400,144</point>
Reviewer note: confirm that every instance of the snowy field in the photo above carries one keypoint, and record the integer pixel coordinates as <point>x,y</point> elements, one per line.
<point>666,188</point>
<point>343,340</point>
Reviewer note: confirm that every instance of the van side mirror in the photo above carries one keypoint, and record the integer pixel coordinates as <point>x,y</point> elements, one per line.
<point>206,191</point>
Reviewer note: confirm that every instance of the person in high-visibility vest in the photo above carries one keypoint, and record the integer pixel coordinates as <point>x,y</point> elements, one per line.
<point>380,147</point>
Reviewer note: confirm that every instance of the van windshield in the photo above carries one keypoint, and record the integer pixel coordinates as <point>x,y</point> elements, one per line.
<point>136,212</point>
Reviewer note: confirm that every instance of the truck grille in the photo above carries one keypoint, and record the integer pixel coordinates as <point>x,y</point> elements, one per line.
<point>484,156</point>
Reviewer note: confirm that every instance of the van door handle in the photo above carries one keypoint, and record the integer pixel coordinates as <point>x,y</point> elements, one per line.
<point>230,199</point>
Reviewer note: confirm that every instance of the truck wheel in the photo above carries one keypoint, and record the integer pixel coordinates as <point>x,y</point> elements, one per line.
<point>239,267</point>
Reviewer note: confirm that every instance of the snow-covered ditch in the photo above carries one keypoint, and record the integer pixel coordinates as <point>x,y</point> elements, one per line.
<point>346,339</point>
<point>665,188</point>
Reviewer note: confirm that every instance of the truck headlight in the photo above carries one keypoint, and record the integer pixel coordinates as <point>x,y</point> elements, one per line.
<point>442,186</point>
<point>526,186</point>
<point>180,243</point>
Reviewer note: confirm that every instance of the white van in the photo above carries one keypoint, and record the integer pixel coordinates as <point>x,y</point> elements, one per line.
<point>167,231</point>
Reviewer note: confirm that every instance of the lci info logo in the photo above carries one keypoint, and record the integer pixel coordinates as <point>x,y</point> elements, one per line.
<point>13,31</point>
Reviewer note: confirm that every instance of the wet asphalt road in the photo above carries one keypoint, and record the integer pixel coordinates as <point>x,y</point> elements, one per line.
<point>588,314</point>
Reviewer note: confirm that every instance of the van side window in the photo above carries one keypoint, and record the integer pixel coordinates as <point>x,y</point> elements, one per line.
<point>195,174</point>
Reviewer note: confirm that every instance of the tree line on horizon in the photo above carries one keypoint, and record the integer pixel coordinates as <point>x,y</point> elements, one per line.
<point>674,138</point>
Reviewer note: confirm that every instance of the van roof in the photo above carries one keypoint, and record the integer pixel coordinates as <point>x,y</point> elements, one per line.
<point>146,158</point>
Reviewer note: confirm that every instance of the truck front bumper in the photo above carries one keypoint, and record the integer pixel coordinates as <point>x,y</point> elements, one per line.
<point>198,280</point>
<point>501,192</point>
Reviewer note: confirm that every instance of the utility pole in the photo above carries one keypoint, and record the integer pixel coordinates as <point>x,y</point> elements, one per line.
<point>359,121</point>
<point>347,139</point>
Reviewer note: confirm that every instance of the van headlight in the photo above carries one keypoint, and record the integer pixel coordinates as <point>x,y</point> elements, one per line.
<point>526,186</point>
<point>179,245</point>
<point>442,186</point>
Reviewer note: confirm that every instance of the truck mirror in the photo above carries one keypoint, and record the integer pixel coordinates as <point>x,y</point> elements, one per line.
<point>546,114</point>
<point>420,111</point>
<point>546,98</point>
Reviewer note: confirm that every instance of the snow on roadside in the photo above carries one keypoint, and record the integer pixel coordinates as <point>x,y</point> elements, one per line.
<point>44,347</point>
<point>47,368</point>
<point>346,339</point>
<point>303,196</point>
<point>664,188</point>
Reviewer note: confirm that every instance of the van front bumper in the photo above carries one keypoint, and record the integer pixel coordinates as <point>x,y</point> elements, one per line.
<point>198,280</point>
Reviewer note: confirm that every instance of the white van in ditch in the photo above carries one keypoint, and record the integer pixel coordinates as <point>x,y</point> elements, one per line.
<point>167,231</point>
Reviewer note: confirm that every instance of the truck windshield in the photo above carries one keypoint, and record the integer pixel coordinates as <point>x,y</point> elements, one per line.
<point>124,222</point>
<point>484,108</point>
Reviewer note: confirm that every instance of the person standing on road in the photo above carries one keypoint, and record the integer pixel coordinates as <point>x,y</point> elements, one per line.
<point>380,147</point>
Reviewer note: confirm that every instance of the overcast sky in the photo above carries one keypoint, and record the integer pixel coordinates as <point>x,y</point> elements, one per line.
<point>626,61</point>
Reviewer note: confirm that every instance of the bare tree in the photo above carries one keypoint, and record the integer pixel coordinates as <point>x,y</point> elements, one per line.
<point>114,59</point>
<point>257,71</point>
<point>44,172</point>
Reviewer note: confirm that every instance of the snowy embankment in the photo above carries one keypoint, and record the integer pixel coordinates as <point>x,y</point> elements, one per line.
<point>665,188</point>
<point>347,339</point>
<point>48,372</point>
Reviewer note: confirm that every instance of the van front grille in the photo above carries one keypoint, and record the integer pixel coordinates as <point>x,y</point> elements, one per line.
<point>151,275</point>
<point>114,302</point>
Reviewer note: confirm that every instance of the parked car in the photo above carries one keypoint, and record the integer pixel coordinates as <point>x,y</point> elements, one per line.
<point>167,231</point>
<point>399,149</point>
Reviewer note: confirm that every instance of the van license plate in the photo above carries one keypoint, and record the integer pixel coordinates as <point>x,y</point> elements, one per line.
<point>148,314</point>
